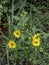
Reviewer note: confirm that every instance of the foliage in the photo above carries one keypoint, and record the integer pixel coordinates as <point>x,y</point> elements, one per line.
<point>29,17</point>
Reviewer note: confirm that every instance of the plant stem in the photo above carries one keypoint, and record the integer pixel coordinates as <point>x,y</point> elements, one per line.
<point>36,52</point>
<point>7,54</point>
<point>12,10</point>
<point>10,31</point>
<point>10,23</point>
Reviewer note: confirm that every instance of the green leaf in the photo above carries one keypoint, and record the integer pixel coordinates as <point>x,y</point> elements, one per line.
<point>1,6</point>
<point>16,18</point>
<point>24,21</point>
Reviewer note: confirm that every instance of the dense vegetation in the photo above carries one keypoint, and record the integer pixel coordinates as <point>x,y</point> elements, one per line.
<point>20,22</point>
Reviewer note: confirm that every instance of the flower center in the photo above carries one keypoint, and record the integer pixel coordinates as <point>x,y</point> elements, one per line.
<point>36,37</point>
<point>11,44</point>
<point>36,42</point>
<point>17,33</point>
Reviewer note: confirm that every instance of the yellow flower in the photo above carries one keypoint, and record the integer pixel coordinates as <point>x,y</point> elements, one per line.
<point>17,34</point>
<point>36,36</point>
<point>36,40</point>
<point>11,44</point>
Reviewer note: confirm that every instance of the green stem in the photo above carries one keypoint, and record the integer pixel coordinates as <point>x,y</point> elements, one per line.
<point>7,51</point>
<point>30,18</point>
<point>10,28</point>
<point>12,10</point>
<point>36,51</point>
<point>12,18</point>
<point>10,22</point>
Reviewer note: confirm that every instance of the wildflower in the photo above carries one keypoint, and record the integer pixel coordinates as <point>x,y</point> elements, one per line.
<point>36,36</point>
<point>36,40</point>
<point>17,34</point>
<point>11,44</point>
